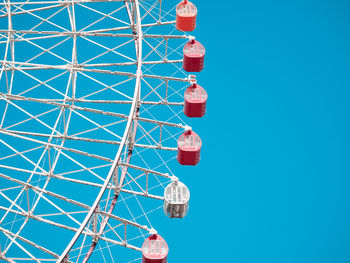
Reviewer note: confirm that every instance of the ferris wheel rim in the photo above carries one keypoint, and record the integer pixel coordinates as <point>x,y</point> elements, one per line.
<point>121,162</point>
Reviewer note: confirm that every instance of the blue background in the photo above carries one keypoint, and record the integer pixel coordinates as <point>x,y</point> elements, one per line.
<point>273,182</point>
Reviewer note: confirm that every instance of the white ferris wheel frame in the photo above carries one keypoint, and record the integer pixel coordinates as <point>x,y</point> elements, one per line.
<point>128,137</point>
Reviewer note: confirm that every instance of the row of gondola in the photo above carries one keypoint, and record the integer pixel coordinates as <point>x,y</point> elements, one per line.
<point>176,194</point>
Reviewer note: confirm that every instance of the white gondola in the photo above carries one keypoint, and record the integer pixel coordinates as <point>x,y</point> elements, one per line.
<point>176,198</point>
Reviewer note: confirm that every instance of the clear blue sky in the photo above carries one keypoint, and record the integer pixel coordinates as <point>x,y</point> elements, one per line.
<point>273,183</point>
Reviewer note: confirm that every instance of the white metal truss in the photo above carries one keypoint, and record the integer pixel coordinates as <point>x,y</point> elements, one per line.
<point>85,152</point>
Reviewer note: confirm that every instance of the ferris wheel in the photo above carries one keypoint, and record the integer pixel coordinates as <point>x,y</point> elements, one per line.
<point>94,100</point>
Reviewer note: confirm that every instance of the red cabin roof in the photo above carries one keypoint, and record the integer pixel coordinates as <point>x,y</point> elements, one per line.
<point>195,94</point>
<point>194,49</point>
<point>189,141</point>
<point>154,249</point>
<point>186,9</point>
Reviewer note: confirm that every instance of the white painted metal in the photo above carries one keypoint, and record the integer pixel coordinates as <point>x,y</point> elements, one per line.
<point>176,198</point>
<point>53,141</point>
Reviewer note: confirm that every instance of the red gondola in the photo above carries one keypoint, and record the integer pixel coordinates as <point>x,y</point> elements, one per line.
<point>193,60</point>
<point>195,101</point>
<point>189,147</point>
<point>186,14</point>
<point>154,250</point>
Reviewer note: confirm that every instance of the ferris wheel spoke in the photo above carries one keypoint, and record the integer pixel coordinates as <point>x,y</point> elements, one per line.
<point>44,84</point>
<point>128,74</point>
<point>22,191</point>
<point>21,39</point>
<point>82,166</point>
<point>25,240</point>
<point>34,117</point>
<point>157,146</point>
<point>20,170</point>
<point>12,202</point>
<point>153,90</point>
<point>188,79</point>
<point>154,49</point>
<point>147,133</point>
<point>32,10</point>
<point>47,20</point>
<point>49,193</point>
<point>63,212</point>
<point>62,105</point>
<point>169,103</point>
<point>140,206</point>
<point>72,180</point>
<point>2,10</point>
<point>162,23</point>
<point>7,259</point>
<point>71,201</point>
<point>20,152</point>
<point>167,54</point>
<point>163,123</point>
<point>143,193</point>
<point>130,63</point>
<point>14,241</point>
<point>147,170</point>
<point>61,2</point>
<point>162,13</point>
<point>120,73</point>
<point>46,50</point>
<point>35,165</point>
<point>111,87</point>
<point>95,156</point>
<point>40,219</point>
<point>64,137</point>
<point>160,126</point>
<point>74,108</point>
<point>60,148</point>
<point>92,33</point>
<point>144,102</point>
<point>157,153</point>
<point>112,29</point>
<point>10,188</point>
<point>94,129</point>
<point>108,49</point>
<point>169,50</point>
<point>134,180</point>
<point>104,15</point>
<point>123,221</point>
<point>111,229</point>
<point>39,189</point>
<point>73,171</point>
<point>84,64</point>
<point>149,10</point>
<point>98,125</point>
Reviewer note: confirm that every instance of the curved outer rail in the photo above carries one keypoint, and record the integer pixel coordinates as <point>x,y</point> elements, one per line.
<point>113,203</point>
<point>116,161</point>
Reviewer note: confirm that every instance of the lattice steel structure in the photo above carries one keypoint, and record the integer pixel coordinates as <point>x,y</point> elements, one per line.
<point>91,96</point>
